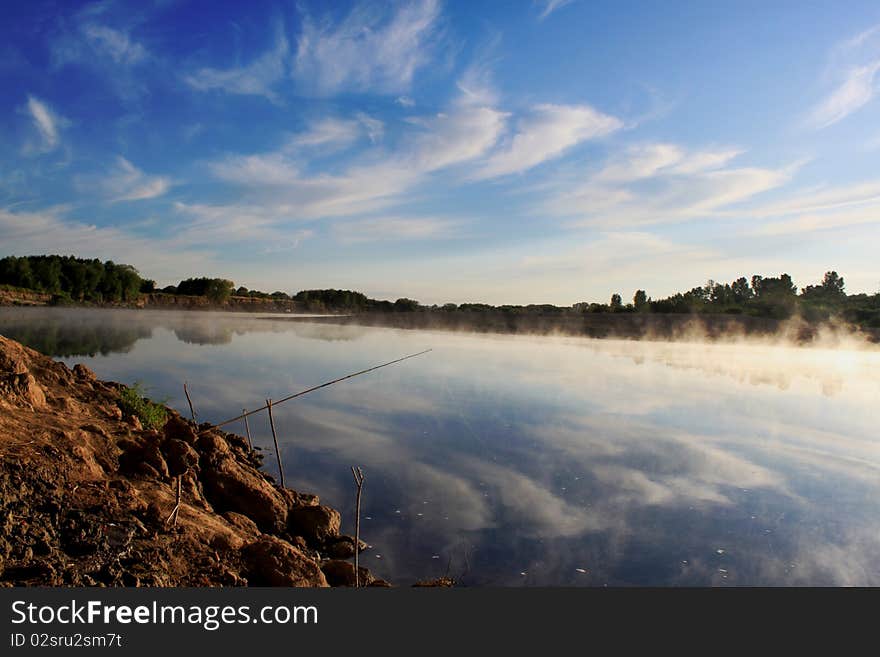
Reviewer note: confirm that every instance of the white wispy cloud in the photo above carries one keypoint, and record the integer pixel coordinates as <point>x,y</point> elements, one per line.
<point>818,209</point>
<point>50,231</point>
<point>128,183</point>
<point>256,78</point>
<point>547,134</point>
<point>329,131</point>
<point>47,123</point>
<point>648,160</point>
<point>369,49</point>
<point>463,134</point>
<point>807,223</point>
<point>854,92</point>
<point>662,183</point>
<point>854,68</point>
<point>820,199</point>
<point>373,179</point>
<point>116,44</point>
<point>87,41</point>
<point>549,6</point>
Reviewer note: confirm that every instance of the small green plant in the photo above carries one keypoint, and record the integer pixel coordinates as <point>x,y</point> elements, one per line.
<point>133,402</point>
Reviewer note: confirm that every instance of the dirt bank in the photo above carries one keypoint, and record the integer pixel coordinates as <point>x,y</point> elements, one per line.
<point>86,495</point>
<point>10,296</point>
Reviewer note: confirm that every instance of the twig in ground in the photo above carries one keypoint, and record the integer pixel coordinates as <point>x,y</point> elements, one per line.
<point>192,411</point>
<point>359,482</point>
<point>275,439</point>
<point>247,430</point>
<point>172,517</point>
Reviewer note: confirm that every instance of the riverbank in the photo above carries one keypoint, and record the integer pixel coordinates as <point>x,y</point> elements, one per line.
<point>87,494</point>
<point>12,296</point>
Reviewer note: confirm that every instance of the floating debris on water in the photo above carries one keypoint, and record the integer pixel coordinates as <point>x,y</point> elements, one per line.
<point>580,570</point>
<point>435,556</point>
<point>720,551</point>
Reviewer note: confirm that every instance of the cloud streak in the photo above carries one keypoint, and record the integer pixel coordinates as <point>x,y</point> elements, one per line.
<point>254,79</point>
<point>368,50</point>
<point>855,68</point>
<point>47,123</point>
<point>547,134</point>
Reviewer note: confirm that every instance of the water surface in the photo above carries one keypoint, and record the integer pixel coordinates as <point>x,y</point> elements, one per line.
<point>517,460</point>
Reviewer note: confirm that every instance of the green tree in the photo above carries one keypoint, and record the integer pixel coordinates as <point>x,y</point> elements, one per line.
<point>640,300</point>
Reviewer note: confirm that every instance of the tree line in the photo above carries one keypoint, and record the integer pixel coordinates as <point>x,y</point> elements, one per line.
<point>73,279</point>
<point>68,278</point>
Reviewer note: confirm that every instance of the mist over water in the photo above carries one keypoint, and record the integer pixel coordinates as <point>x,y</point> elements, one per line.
<point>537,460</point>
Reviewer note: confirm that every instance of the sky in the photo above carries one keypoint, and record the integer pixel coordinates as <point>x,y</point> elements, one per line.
<point>539,151</point>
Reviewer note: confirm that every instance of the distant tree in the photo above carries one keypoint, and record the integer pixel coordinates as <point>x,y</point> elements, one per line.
<point>217,290</point>
<point>242,291</point>
<point>406,305</point>
<point>833,284</point>
<point>148,286</point>
<point>741,290</point>
<point>72,278</point>
<point>616,302</point>
<point>640,300</point>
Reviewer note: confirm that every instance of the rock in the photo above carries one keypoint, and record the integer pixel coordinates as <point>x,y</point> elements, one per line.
<point>315,523</point>
<point>134,422</point>
<point>179,456</point>
<point>112,412</point>
<point>210,443</point>
<point>307,499</point>
<point>26,388</point>
<point>176,428</point>
<point>341,573</point>
<point>241,522</point>
<point>135,455</point>
<point>272,562</point>
<point>13,357</point>
<point>83,373</point>
<point>229,486</point>
<point>342,548</point>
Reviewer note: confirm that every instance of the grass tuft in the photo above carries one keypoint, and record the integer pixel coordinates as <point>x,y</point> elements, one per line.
<point>133,402</point>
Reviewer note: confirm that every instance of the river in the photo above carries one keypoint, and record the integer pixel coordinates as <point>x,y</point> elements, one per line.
<point>534,460</point>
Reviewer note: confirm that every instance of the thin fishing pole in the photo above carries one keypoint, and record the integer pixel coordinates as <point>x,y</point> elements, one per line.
<point>312,389</point>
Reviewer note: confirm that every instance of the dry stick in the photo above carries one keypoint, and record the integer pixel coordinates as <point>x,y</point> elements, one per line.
<point>247,430</point>
<point>275,438</point>
<point>172,518</point>
<point>308,390</point>
<point>359,482</point>
<point>191,410</point>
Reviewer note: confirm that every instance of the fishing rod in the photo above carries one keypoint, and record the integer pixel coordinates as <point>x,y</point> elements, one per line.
<point>312,389</point>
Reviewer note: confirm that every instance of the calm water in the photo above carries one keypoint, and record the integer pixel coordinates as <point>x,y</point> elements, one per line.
<point>523,461</point>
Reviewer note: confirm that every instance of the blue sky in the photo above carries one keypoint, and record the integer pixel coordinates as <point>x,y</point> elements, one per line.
<point>544,151</point>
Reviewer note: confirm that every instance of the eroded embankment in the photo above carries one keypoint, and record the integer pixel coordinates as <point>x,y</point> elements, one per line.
<point>86,494</point>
